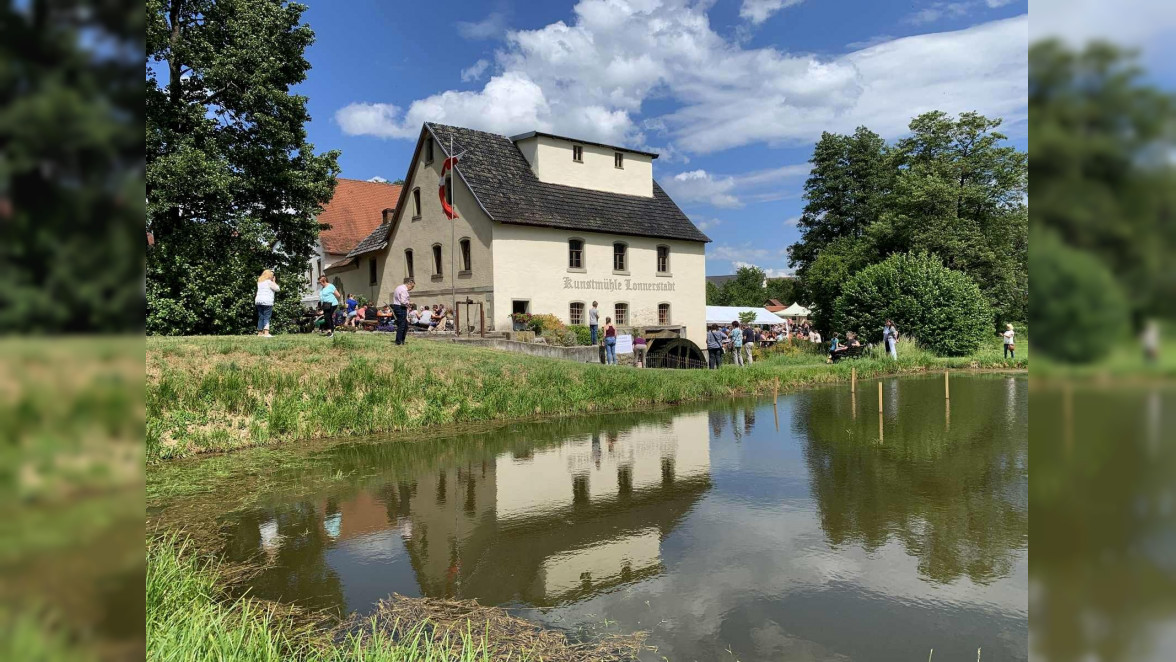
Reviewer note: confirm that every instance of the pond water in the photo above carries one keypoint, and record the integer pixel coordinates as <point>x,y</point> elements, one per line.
<point>734,530</point>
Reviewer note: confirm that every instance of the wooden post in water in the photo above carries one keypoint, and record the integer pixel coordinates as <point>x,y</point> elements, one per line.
<point>853,380</point>
<point>879,397</point>
<point>775,390</point>
<point>946,385</point>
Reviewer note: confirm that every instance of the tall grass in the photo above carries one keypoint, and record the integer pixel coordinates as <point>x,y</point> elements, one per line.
<point>215,394</point>
<point>190,619</point>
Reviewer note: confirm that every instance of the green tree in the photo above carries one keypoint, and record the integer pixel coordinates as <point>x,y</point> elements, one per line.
<point>713,294</point>
<point>71,173</point>
<point>942,308</point>
<point>783,290</point>
<point>746,289</point>
<point>952,188</point>
<point>232,185</point>
<point>960,194</point>
<point>1102,175</point>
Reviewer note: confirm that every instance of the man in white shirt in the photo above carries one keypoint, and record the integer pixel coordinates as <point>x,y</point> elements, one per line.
<point>400,308</point>
<point>426,317</point>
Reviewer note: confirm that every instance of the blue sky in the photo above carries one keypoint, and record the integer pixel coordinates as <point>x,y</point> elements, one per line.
<point>731,93</point>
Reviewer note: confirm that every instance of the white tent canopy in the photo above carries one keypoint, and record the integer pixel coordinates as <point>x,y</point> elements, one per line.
<point>795,310</point>
<point>728,314</point>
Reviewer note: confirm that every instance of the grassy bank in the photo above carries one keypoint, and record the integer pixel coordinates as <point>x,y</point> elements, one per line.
<point>219,394</point>
<point>190,617</point>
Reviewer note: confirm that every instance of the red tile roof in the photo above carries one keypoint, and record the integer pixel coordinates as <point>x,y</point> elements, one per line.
<point>356,209</point>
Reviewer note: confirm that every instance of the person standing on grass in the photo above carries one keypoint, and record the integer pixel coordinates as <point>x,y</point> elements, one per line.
<point>328,300</point>
<point>266,286</point>
<point>1010,349</point>
<point>593,321</point>
<point>714,347</point>
<point>639,351</point>
<point>890,339</point>
<point>737,341</point>
<point>750,342</point>
<point>400,308</point>
<point>352,310</point>
<point>610,341</point>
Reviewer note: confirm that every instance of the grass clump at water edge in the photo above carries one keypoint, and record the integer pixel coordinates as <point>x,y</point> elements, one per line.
<point>190,617</point>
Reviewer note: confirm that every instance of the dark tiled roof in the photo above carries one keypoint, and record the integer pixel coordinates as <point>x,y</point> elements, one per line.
<point>719,280</point>
<point>375,241</point>
<point>502,180</point>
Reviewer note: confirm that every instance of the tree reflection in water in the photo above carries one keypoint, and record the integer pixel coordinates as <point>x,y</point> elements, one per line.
<point>952,496</point>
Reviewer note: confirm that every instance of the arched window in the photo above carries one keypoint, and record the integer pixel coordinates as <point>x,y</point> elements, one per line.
<point>663,259</point>
<point>663,314</point>
<point>621,318</point>
<point>576,313</point>
<point>416,203</point>
<point>620,256</point>
<point>437,260</point>
<point>466,259</point>
<point>408,270</point>
<point>575,253</point>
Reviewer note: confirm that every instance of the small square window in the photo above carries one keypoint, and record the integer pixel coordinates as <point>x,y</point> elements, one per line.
<point>576,313</point>
<point>577,153</point>
<point>619,159</point>
<point>622,314</point>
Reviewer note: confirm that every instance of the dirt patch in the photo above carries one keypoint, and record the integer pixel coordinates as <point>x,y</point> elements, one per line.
<point>506,636</point>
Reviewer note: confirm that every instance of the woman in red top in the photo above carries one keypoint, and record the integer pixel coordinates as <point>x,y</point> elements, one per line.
<point>610,342</point>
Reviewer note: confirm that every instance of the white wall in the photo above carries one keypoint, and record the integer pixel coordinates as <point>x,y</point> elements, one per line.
<point>551,160</point>
<point>532,263</point>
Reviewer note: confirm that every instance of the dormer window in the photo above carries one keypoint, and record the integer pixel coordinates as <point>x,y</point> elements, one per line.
<point>578,153</point>
<point>619,159</point>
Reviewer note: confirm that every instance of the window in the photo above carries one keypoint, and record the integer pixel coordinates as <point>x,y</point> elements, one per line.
<point>520,306</point>
<point>621,317</point>
<point>663,259</point>
<point>618,159</point>
<point>576,313</point>
<point>465,255</point>
<point>428,150</point>
<point>437,260</point>
<point>663,314</point>
<point>578,153</point>
<point>575,253</point>
<point>408,270</point>
<point>416,203</point>
<point>372,271</point>
<point>620,256</point>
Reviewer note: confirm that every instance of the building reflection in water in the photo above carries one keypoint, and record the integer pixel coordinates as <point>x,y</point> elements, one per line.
<point>539,522</point>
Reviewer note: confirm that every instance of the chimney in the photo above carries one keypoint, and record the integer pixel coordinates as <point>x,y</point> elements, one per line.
<point>388,215</point>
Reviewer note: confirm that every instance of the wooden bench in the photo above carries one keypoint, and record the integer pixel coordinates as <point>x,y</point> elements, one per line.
<point>849,353</point>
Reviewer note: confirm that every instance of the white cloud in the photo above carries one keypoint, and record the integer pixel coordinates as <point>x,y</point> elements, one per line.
<point>866,43</point>
<point>475,71</point>
<point>792,222</point>
<point>730,191</point>
<point>938,11</point>
<point>993,4</point>
<point>768,271</point>
<point>378,180</point>
<point>750,253</point>
<point>490,27</point>
<point>758,11</point>
<point>708,224</point>
<point>1138,23</point>
<point>592,77</point>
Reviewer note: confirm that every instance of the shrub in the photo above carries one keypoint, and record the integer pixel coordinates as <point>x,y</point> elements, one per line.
<point>943,308</point>
<point>545,323</point>
<point>583,333</point>
<point>1076,303</point>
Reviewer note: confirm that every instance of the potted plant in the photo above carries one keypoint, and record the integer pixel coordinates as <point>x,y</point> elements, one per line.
<point>522,321</point>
